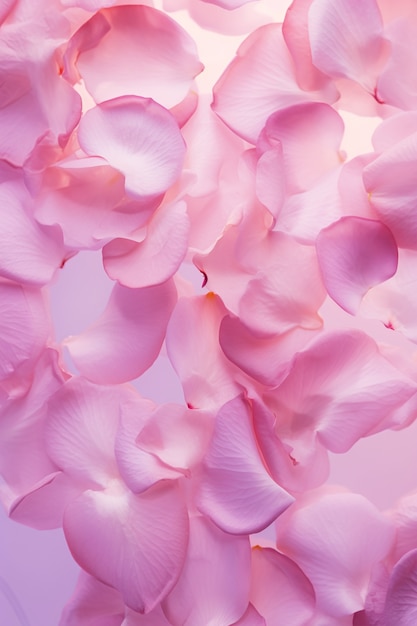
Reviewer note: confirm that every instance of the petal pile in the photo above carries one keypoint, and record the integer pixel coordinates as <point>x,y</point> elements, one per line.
<point>253,263</point>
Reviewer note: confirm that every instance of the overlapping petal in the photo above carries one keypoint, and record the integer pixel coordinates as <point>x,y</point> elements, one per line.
<point>127,338</point>
<point>236,491</point>
<point>139,138</point>
<point>135,50</point>
<point>134,543</point>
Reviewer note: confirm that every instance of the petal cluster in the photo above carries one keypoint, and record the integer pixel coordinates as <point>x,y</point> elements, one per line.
<point>231,225</point>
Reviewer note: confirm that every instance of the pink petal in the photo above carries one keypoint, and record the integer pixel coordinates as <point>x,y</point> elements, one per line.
<point>86,197</point>
<point>295,602</point>
<point>134,50</point>
<point>388,180</point>
<point>295,31</point>
<point>236,491</point>
<point>91,603</point>
<point>267,359</point>
<point>286,294</point>
<point>205,373</point>
<point>271,179</point>
<point>258,82</point>
<point>396,84</point>
<point>393,302</point>
<point>138,468</point>
<point>310,134</point>
<point>29,252</point>
<point>296,462</point>
<point>342,387</point>
<point>139,138</point>
<point>251,618</point>
<point>30,82</point>
<point>24,326</point>
<point>327,535</point>
<point>157,257</point>
<point>43,506</point>
<point>125,341</point>
<point>205,592</point>
<point>82,423</point>
<point>22,426</point>
<point>346,39</point>
<point>401,602</point>
<point>153,442</point>
<point>355,254</point>
<point>136,544</point>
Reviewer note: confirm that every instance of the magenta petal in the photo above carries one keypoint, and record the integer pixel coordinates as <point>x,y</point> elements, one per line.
<point>139,138</point>
<point>125,341</point>
<point>401,602</point>
<point>236,491</point>
<point>355,254</point>
<point>206,593</point>
<point>134,543</point>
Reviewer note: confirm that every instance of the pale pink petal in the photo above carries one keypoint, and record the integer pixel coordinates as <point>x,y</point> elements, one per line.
<point>271,179</point>
<point>327,535</point>
<point>355,254</point>
<point>305,214</point>
<point>43,506</point>
<point>394,302</point>
<point>93,603</point>
<point>154,618</point>
<point>29,252</point>
<point>134,50</point>
<point>342,387</point>
<point>296,35</point>
<point>286,294</point>
<point>251,618</point>
<point>139,469</point>
<point>125,341</point>
<point>389,182</point>
<point>296,462</point>
<point>267,359</point>
<point>392,130</point>
<point>401,603</point>
<point>206,593</point>
<point>134,543</point>
<point>82,423</point>
<point>295,602</point>
<point>139,138</point>
<point>258,82</point>
<point>206,375</point>
<point>235,490</point>
<point>86,197</point>
<point>5,8</point>
<point>153,443</point>
<point>159,253</point>
<point>230,5</point>
<point>347,39</point>
<point>24,326</point>
<point>396,85</point>
<point>310,134</point>
<point>22,425</point>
